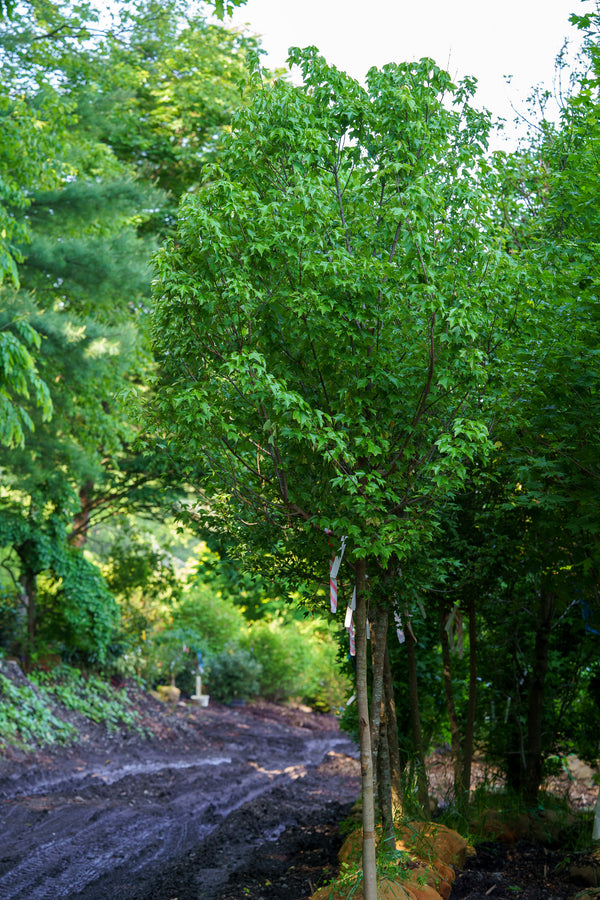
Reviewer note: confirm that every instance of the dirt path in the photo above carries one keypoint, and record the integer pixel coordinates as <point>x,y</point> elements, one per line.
<point>181,815</point>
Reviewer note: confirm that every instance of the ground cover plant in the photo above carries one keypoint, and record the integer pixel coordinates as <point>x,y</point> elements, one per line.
<point>27,718</point>
<point>88,694</point>
<point>35,709</point>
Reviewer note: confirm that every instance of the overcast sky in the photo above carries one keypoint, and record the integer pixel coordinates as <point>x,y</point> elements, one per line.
<point>486,39</point>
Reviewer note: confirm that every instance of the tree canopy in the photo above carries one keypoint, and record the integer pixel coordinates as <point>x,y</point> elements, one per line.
<point>330,270</point>
<point>81,215</point>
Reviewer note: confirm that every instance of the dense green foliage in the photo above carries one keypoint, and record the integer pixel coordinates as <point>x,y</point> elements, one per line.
<point>90,696</point>
<point>338,205</point>
<point>27,717</point>
<point>358,334</point>
<point>329,323</point>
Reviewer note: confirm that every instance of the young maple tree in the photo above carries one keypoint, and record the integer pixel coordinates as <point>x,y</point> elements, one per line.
<point>327,316</point>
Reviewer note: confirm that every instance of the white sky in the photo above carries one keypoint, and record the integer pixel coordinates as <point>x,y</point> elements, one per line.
<point>486,39</point>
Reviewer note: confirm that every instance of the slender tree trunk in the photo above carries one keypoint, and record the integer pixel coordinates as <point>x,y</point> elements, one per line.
<point>392,736</point>
<point>378,646</point>
<point>28,581</point>
<point>450,705</point>
<point>27,553</point>
<point>415,718</point>
<point>366,757</point>
<point>533,755</point>
<point>467,758</point>
<point>514,715</point>
<point>384,786</point>
<point>596,828</point>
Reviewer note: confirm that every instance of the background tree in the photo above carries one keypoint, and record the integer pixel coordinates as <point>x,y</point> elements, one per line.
<point>551,451</point>
<point>80,226</point>
<point>19,380</point>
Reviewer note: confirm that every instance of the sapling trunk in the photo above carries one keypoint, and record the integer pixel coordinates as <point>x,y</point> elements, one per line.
<point>384,785</point>
<point>455,737</point>
<point>381,755</point>
<point>366,757</point>
<point>533,754</point>
<point>467,757</point>
<point>392,735</point>
<point>378,645</point>
<point>596,828</point>
<point>415,718</point>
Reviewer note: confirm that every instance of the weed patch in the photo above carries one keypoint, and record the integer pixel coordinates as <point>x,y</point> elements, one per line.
<point>27,717</point>
<point>88,695</point>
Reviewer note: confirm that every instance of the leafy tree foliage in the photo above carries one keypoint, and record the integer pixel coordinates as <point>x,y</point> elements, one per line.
<point>19,376</point>
<point>549,452</point>
<point>365,324</point>
<point>314,272</point>
<point>160,89</point>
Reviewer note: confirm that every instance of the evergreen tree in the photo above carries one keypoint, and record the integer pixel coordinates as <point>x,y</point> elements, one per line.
<point>81,218</point>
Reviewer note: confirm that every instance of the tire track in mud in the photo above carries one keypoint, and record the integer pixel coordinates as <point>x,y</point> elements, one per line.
<point>113,830</point>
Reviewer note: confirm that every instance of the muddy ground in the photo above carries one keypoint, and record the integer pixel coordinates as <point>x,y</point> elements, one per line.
<point>218,804</point>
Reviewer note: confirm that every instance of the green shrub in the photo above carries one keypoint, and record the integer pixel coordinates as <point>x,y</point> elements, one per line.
<point>200,621</point>
<point>171,656</point>
<point>328,685</point>
<point>282,657</point>
<point>212,615</point>
<point>298,660</point>
<point>234,674</point>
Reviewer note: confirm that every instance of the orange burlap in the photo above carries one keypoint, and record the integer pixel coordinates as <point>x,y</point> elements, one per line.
<point>428,841</point>
<point>351,849</point>
<point>433,878</point>
<point>386,890</point>
<point>434,847</point>
<point>432,842</point>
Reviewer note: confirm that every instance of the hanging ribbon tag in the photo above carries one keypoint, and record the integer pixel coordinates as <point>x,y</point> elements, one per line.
<point>351,637</point>
<point>399,628</point>
<point>349,623</point>
<point>332,587</point>
<point>350,609</point>
<point>348,619</point>
<point>335,567</point>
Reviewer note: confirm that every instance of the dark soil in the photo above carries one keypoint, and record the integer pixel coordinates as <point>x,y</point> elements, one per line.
<point>218,804</point>
<point>524,870</point>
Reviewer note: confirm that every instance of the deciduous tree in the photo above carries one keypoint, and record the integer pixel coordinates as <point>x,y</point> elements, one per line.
<point>327,317</point>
